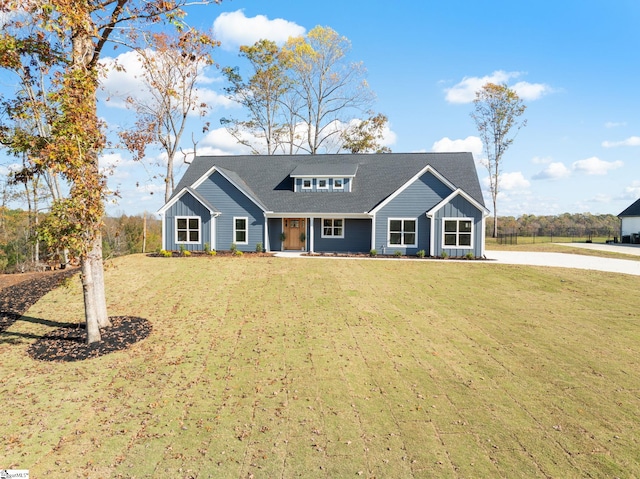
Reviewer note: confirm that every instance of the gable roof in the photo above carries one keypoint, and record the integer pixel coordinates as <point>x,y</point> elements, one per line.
<point>633,210</point>
<point>377,176</point>
<point>187,189</point>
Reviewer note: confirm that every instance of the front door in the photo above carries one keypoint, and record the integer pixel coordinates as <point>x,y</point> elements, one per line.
<point>295,233</point>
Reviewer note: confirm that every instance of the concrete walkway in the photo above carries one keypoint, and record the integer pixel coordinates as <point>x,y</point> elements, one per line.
<point>557,260</point>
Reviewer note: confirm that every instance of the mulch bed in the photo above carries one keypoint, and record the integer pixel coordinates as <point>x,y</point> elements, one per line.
<point>69,342</point>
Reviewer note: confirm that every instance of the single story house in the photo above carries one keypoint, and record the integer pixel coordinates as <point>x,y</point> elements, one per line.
<point>329,203</point>
<point>630,223</point>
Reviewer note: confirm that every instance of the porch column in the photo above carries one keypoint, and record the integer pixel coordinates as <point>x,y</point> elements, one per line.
<point>267,246</point>
<point>311,235</point>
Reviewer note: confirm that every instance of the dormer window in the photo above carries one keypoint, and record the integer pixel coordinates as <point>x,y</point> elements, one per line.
<point>338,184</point>
<point>306,184</point>
<point>323,183</point>
<point>324,177</point>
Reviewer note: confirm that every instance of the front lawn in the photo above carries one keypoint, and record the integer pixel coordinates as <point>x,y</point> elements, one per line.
<point>273,367</point>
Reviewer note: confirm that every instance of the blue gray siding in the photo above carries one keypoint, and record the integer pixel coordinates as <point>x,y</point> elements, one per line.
<point>357,237</point>
<point>414,202</point>
<point>459,207</point>
<point>231,202</point>
<point>187,205</point>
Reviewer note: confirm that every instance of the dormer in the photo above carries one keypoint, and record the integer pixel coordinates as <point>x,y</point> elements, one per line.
<point>324,177</point>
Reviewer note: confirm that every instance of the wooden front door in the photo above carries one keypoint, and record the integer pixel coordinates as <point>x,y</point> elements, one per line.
<point>294,233</point>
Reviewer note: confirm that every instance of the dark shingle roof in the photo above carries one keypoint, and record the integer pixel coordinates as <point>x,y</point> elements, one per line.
<point>325,169</point>
<point>267,178</point>
<point>633,210</point>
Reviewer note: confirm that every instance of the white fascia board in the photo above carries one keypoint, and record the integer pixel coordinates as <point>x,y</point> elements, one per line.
<point>426,169</point>
<point>182,192</point>
<point>432,211</point>
<point>322,176</point>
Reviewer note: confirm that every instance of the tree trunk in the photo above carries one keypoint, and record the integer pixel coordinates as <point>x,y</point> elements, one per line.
<point>98,280</point>
<point>90,306</point>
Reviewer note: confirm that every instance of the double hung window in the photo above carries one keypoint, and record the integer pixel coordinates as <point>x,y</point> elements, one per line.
<point>240,232</point>
<point>402,232</point>
<point>332,228</point>
<point>188,229</point>
<point>458,232</point>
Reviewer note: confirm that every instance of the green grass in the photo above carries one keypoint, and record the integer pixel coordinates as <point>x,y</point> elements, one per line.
<point>335,368</point>
<point>560,245</point>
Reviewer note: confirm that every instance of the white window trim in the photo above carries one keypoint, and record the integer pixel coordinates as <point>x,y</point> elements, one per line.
<point>457,246</point>
<point>310,184</point>
<point>188,230</point>
<point>326,187</point>
<point>401,245</point>
<point>341,187</point>
<point>331,236</point>
<point>246,223</point>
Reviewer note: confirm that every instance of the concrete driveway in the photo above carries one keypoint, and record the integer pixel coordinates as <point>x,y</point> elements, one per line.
<point>563,260</point>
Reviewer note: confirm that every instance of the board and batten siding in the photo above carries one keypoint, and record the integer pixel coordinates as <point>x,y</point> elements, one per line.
<point>458,207</point>
<point>232,203</point>
<point>187,205</point>
<point>412,203</point>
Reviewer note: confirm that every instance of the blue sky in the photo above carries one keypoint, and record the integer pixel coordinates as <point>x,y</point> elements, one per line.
<point>574,63</point>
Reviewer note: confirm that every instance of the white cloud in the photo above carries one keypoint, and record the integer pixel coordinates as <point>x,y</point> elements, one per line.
<point>553,171</point>
<point>513,181</point>
<point>615,124</point>
<point>219,142</point>
<point>595,166</point>
<point>631,141</point>
<point>632,192</point>
<point>123,79</point>
<point>472,144</point>
<point>465,90</point>
<point>234,29</point>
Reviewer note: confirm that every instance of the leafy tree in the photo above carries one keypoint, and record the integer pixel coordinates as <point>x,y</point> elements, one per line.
<point>263,96</point>
<point>366,136</point>
<point>172,65</point>
<point>71,36</point>
<point>497,112</point>
<point>330,87</point>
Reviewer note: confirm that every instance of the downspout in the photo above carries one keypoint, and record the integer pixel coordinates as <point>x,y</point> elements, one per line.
<point>311,237</point>
<point>267,245</point>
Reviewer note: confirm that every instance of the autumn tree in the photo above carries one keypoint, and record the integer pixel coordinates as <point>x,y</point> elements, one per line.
<point>73,34</point>
<point>299,97</point>
<point>331,88</point>
<point>263,95</point>
<point>497,112</point>
<point>365,136</point>
<point>171,68</point>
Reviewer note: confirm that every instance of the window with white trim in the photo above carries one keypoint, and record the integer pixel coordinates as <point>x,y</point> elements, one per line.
<point>240,230</point>
<point>306,183</point>
<point>338,184</point>
<point>333,228</point>
<point>323,183</point>
<point>458,233</point>
<point>403,232</point>
<point>187,229</point>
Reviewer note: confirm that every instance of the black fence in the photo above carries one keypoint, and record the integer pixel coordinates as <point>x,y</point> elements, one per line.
<point>507,238</point>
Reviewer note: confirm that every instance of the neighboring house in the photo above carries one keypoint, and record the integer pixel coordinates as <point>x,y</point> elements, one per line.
<point>630,223</point>
<point>329,203</point>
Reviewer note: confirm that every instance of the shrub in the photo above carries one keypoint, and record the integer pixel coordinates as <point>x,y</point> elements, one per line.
<point>237,252</point>
<point>444,255</point>
<point>165,254</point>
<point>186,253</point>
<point>206,248</point>
<point>233,247</point>
<point>373,253</point>
<point>397,253</point>
<point>259,248</point>
<point>212,252</point>
<point>421,254</point>
<point>469,255</point>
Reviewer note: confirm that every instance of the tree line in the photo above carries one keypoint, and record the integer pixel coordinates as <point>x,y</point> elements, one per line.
<point>21,251</point>
<point>566,224</point>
